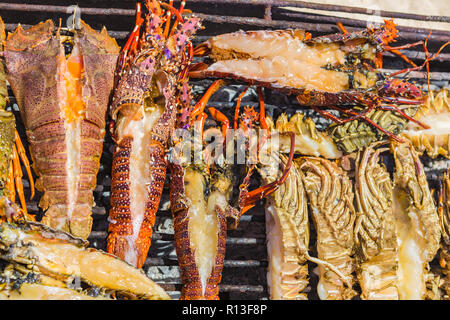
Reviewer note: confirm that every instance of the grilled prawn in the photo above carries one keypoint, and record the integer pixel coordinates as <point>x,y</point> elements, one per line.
<point>416,221</point>
<point>63,102</point>
<point>330,196</point>
<point>11,148</point>
<point>144,108</point>
<point>201,189</point>
<point>335,71</point>
<point>287,229</point>
<point>444,215</point>
<point>375,231</point>
<point>308,140</point>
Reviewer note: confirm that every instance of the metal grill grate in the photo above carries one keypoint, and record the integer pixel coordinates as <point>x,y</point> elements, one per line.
<point>244,275</point>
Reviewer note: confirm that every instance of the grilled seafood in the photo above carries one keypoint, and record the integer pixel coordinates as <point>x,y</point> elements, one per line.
<point>308,140</point>
<point>200,193</point>
<point>3,87</point>
<point>59,259</point>
<point>357,134</point>
<point>18,283</point>
<point>435,112</point>
<point>144,109</point>
<point>291,59</point>
<point>375,232</point>
<point>63,102</point>
<point>444,215</point>
<point>416,222</point>
<point>11,148</point>
<point>287,229</point>
<point>330,196</point>
<point>339,68</point>
<point>199,198</point>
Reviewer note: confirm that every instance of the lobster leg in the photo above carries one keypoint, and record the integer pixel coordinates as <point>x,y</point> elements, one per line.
<point>238,105</point>
<point>201,104</point>
<point>249,198</point>
<point>426,62</point>
<point>396,51</point>
<point>219,116</point>
<point>18,178</point>
<point>396,109</point>
<point>341,27</point>
<point>10,183</point>
<point>23,156</point>
<point>133,39</point>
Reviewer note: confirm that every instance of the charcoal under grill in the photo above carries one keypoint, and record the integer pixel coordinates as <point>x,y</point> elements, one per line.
<point>244,274</point>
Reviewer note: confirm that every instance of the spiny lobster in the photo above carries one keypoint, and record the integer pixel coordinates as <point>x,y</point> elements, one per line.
<point>11,148</point>
<point>152,69</point>
<point>200,192</point>
<point>63,102</point>
<point>334,71</point>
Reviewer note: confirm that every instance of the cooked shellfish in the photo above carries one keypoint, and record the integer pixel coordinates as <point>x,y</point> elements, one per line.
<point>435,112</point>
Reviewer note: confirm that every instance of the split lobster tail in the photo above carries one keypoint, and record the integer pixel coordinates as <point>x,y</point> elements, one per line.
<point>63,104</point>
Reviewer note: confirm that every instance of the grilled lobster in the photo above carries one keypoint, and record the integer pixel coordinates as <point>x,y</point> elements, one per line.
<point>335,71</point>
<point>287,228</point>
<point>50,264</point>
<point>152,68</point>
<point>63,102</point>
<point>11,148</point>
<point>308,140</point>
<point>201,189</point>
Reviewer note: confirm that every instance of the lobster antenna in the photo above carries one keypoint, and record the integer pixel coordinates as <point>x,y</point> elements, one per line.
<point>238,105</point>
<point>168,17</point>
<point>183,3</point>
<point>341,27</point>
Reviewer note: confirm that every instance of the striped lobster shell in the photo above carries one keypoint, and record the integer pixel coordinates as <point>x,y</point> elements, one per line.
<point>144,110</point>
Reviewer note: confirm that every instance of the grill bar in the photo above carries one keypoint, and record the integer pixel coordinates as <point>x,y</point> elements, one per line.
<point>65,9</point>
<point>327,7</point>
<point>268,3</point>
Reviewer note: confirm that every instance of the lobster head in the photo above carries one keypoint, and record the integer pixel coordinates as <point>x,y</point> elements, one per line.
<point>385,34</point>
<point>154,61</point>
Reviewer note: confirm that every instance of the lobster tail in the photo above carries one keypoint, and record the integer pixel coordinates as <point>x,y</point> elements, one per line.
<point>200,263</point>
<point>130,231</point>
<point>64,115</point>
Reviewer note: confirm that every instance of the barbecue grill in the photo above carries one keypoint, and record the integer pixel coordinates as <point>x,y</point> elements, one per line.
<point>244,274</point>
